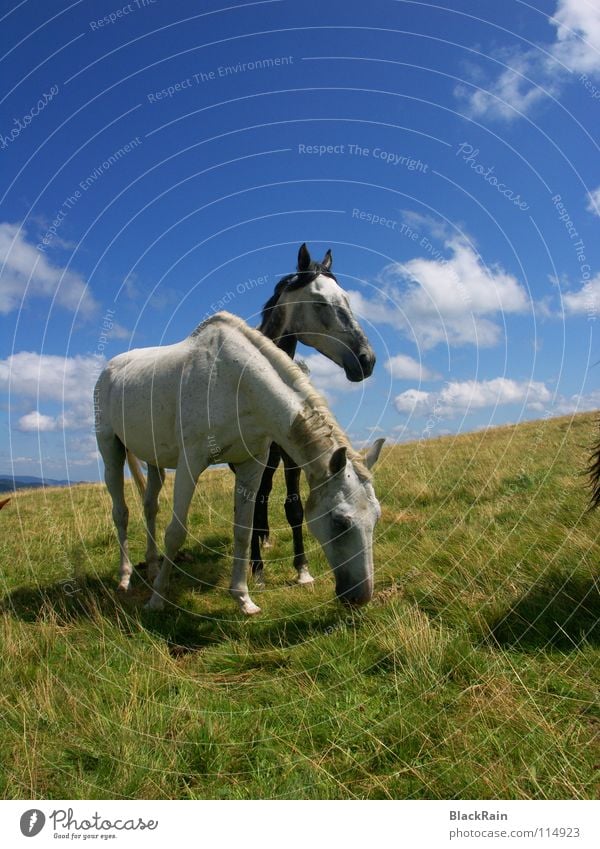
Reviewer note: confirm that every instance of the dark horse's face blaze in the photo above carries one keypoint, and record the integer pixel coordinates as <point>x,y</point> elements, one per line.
<point>312,307</point>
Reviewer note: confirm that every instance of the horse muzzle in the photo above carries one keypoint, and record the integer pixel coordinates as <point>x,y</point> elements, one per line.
<point>355,594</point>
<point>359,366</point>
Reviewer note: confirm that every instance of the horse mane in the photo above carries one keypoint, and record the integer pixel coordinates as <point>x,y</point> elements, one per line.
<point>315,423</point>
<point>594,476</point>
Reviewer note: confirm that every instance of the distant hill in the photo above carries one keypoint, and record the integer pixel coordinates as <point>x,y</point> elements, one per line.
<point>8,483</point>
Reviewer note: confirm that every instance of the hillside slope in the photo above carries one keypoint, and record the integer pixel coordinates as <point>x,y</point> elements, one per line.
<point>10,483</point>
<point>473,674</point>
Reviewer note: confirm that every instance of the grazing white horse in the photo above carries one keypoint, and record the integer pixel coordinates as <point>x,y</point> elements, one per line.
<point>224,394</point>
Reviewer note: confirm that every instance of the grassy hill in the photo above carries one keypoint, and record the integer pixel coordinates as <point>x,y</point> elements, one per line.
<point>473,674</point>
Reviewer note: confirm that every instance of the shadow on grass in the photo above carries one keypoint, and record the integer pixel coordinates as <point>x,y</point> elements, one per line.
<point>556,613</point>
<point>202,569</point>
<point>84,596</point>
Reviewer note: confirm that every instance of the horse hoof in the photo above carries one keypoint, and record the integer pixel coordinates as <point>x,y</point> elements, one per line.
<point>249,608</point>
<point>155,603</point>
<point>184,557</point>
<point>305,579</point>
<point>123,587</point>
<point>267,543</point>
<point>259,579</point>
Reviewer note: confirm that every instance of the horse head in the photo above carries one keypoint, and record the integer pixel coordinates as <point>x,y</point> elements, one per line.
<point>311,307</point>
<point>341,512</point>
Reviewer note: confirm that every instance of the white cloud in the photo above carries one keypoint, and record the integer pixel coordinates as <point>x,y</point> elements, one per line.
<point>457,398</point>
<point>413,401</point>
<point>403,367</point>
<point>513,92</point>
<point>37,422</point>
<point>382,309</point>
<point>46,377</point>
<point>532,74</point>
<point>439,300</point>
<point>117,331</point>
<point>585,301</point>
<point>83,450</point>
<point>25,272</point>
<point>578,403</point>
<point>431,224</point>
<point>593,202</point>
<point>577,25</point>
<point>50,377</point>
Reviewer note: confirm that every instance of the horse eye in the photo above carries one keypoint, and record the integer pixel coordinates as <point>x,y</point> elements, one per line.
<point>342,316</point>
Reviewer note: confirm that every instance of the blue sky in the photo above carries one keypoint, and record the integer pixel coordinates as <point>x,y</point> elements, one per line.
<point>160,160</point>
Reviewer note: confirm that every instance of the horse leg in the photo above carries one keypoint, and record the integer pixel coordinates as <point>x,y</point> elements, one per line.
<point>294,512</point>
<point>247,480</point>
<point>256,560</point>
<point>156,479</point>
<point>113,454</point>
<point>260,526</point>
<point>186,476</point>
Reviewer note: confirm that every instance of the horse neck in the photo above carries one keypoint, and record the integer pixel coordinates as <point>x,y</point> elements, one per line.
<point>310,442</point>
<point>286,342</point>
<point>295,419</point>
<point>294,422</point>
<point>288,345</point>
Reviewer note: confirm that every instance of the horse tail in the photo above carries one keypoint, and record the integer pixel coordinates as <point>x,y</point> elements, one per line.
<point>594,475</point>
<point>136,473</point>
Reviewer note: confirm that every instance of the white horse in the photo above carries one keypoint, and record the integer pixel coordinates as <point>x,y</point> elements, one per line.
<point>224,394</point>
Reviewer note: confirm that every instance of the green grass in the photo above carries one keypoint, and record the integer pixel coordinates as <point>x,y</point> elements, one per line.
<point>473,674</point>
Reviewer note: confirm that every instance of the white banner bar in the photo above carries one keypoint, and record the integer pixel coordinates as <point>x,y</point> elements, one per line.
<point>302,825</point>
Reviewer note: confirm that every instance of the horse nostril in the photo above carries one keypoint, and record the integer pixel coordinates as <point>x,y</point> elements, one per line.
<point>355,597</point>
<point>355,600</point>
<point>366,361</point>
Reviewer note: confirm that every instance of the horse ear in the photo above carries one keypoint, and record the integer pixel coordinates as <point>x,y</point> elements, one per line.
<point>373,452</point>
<point>303,258</point>
<point>338,460</point>
<point>327,260</point>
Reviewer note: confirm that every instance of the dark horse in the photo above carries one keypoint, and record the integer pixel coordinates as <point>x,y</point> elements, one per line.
<point>309,307</point>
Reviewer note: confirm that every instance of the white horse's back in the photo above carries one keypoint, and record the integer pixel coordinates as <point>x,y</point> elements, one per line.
<point>156,400</point>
